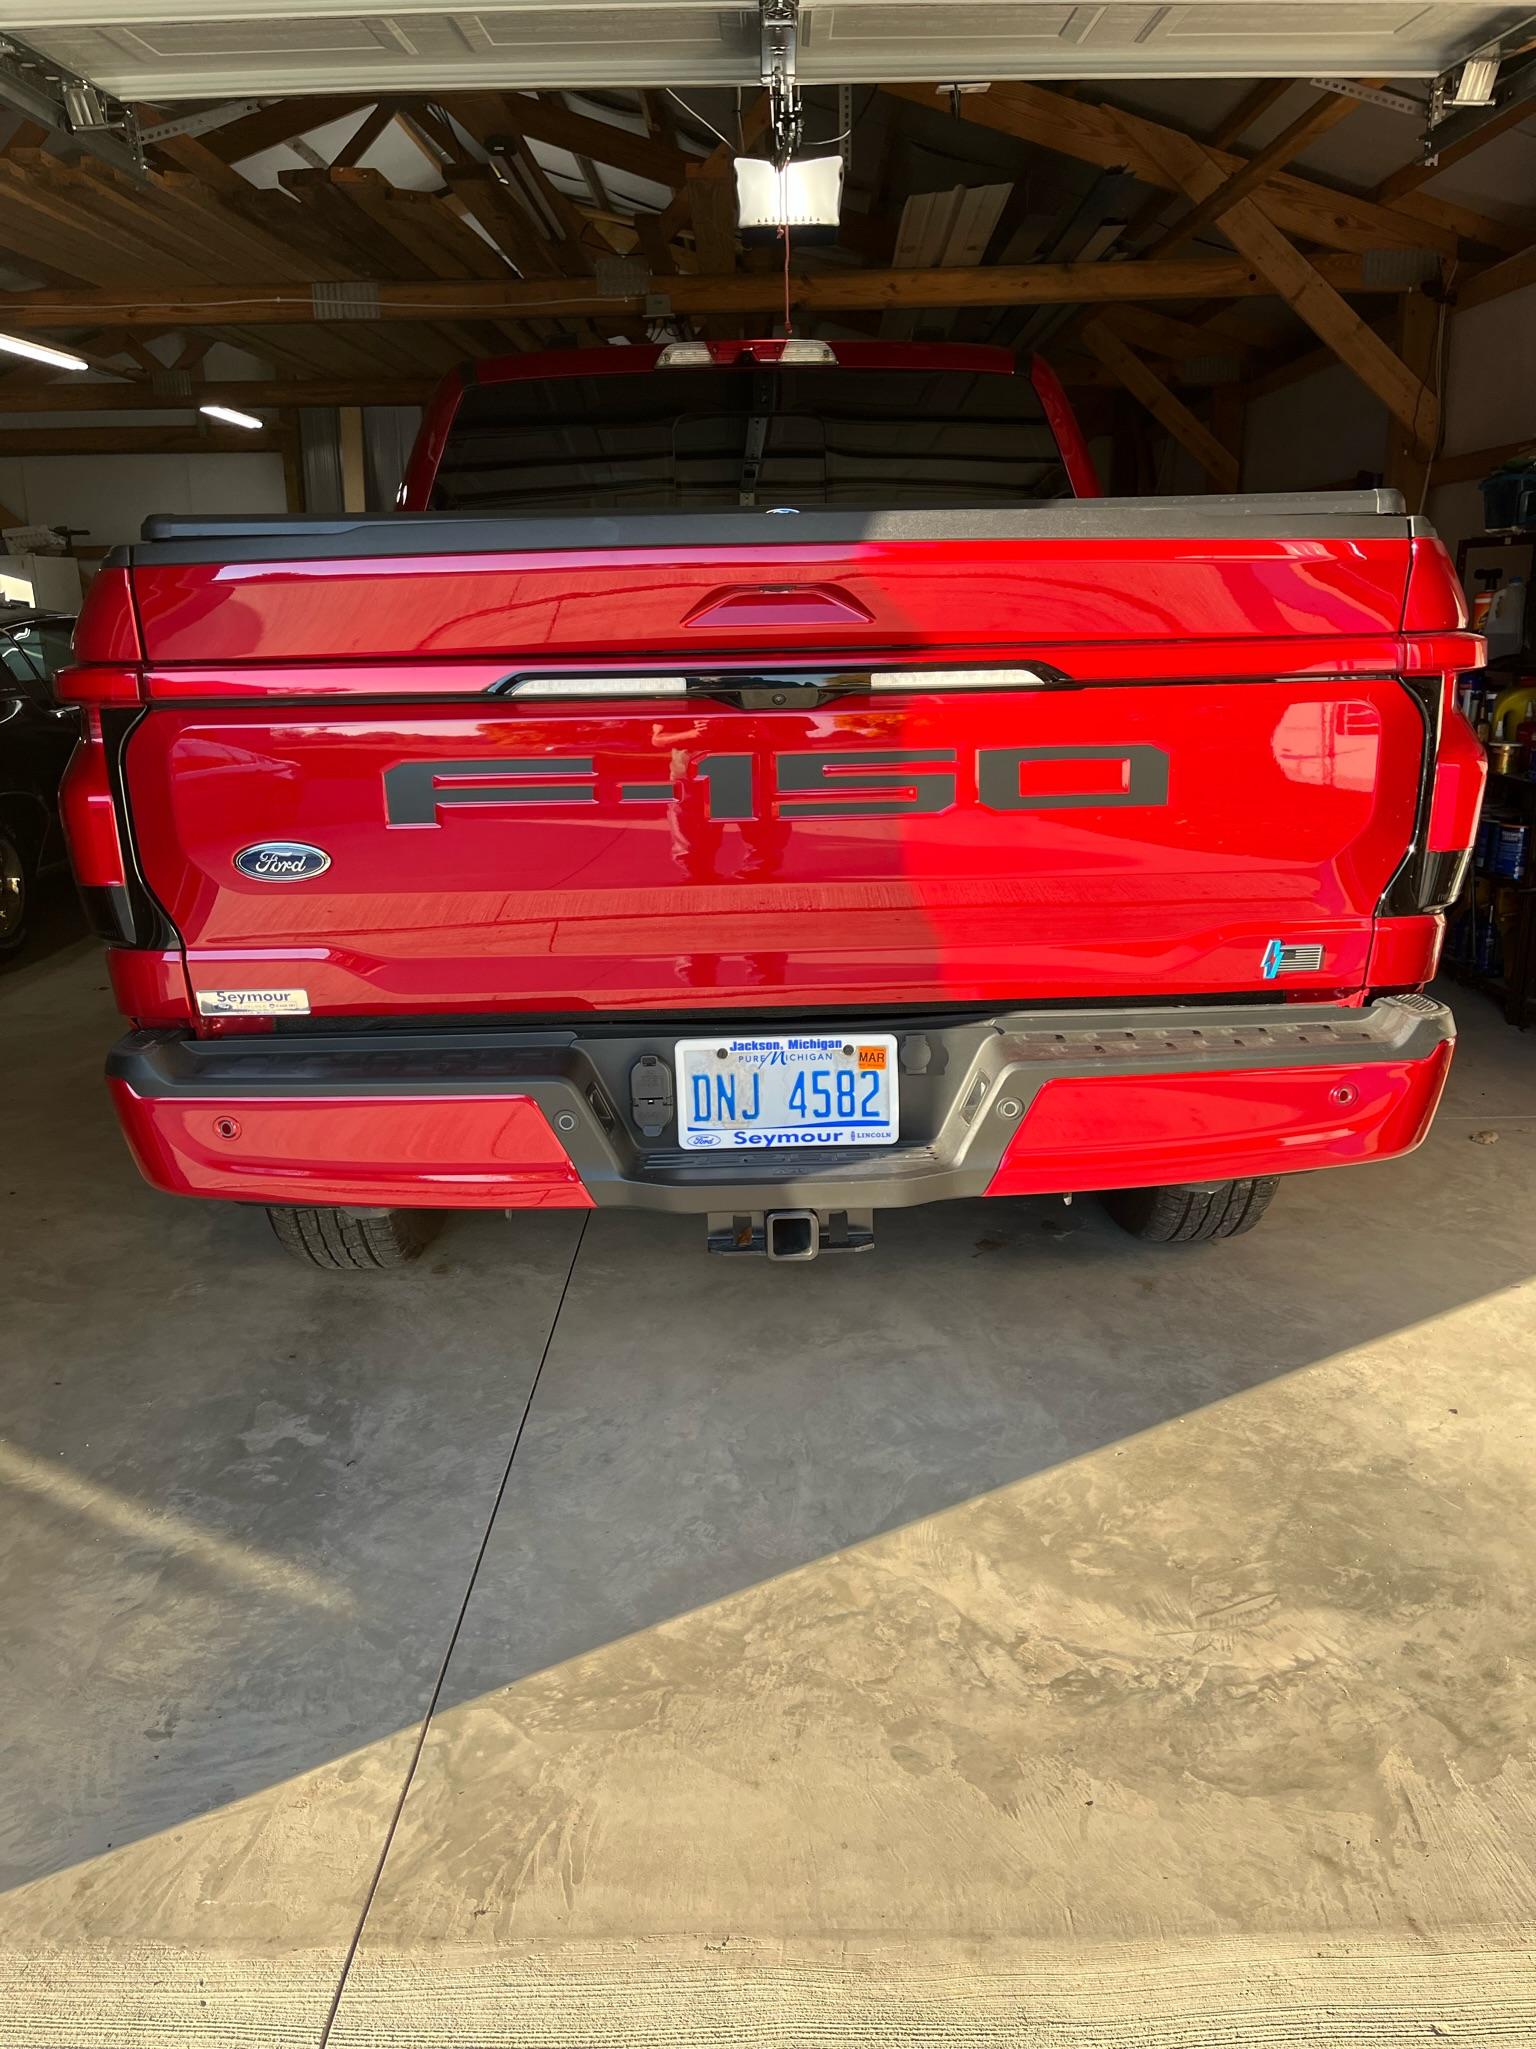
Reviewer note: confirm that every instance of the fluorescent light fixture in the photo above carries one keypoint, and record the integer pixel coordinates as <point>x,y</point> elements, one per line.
<point>806,196</point>
<point>230,417</point>
<point>38,352</point>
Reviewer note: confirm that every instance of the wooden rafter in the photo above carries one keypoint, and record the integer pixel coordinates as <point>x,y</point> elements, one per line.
<point>1165,406</point>
<point>1037,284</point>
<point>621,149</point>
<point>1412,176</point>
<point>1512,275</point>
<point>1299,282</point>
<point>1319,117</point>
<point>364,136</point>
<point>677,214</point>
<point>1101,135</point>
<point>279,123</point>
<point>712,206</point>
<point>1475,463</point>
<point>1416,338</point>
<point>493,119</point>
<point>1253,106</point>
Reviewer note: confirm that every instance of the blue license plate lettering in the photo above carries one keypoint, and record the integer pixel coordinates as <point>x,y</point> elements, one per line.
<point>810,1089</point>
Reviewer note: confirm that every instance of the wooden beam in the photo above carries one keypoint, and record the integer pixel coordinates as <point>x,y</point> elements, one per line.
<point>293,468</point>
<point>1417,337</point>
<point>364,136</point>
<point>1300,283</point>
<point>1033,284</point>
<point>1229,423</point>
<point>677,213</point>
<point>261,233</point>
<point>1512,275</point>
<point>374,252</point>
<point>1508,236</point>
<point>1168,410</point>
<point>1253,106</point>
<point>1412,176</point>
<point>281,122</point>
<point>188,153</point>
<point>1145,327</point>
<point>354,488</point>
<point>493,120</point>
<point>140,218</point>
<point>33,217</point>
<point>200,440</point>
<point>712,206</point>
<point>1323,114</point>
<point>1473,464</point>
<point>659,163</point>
<point>243,393</point>
<point>1111,139</point>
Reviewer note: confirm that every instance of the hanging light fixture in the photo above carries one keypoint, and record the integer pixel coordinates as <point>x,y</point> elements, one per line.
<point>39,352</point>
<point>231,418</point>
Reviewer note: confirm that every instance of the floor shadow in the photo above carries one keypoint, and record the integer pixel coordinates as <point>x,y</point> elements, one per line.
<point>244,1502</point>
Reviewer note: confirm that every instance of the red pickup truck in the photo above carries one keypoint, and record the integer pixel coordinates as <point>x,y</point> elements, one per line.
<point>766,781</point>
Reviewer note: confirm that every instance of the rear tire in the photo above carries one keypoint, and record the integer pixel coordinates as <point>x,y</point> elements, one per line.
<point>16,878</point>
<point>336,1239</point>
<point>1191,1216</point>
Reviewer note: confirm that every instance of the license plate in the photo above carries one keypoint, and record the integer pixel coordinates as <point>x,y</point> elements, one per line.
<point>801,1089</point>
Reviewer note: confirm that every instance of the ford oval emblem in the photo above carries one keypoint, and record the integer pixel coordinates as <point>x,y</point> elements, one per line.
<point>281,861</point>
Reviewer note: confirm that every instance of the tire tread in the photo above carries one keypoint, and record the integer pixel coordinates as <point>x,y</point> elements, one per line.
<point>1192,1216</point>
<point>338,1242</point>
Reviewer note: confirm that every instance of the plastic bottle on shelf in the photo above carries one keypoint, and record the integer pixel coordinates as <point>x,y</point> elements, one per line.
<point>1512,706</point>
<point>1482,602</point>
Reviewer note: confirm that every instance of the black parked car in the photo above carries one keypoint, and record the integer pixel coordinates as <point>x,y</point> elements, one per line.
<point>36,736</point>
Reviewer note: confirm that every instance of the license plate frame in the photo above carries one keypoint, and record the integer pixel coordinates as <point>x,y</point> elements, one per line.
<point>779,1123</point>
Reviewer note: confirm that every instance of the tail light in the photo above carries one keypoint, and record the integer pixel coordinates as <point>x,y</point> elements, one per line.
<point>116,899</point>
<point>1456,770</point>
<point>90,826</point>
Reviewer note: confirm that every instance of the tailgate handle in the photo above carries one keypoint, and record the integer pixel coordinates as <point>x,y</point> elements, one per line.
<point>779,604</point>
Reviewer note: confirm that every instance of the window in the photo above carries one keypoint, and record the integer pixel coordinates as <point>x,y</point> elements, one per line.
<point>33,653</point>
<point>685,440</point>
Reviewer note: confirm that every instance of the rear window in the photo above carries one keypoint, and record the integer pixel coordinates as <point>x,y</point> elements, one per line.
<point>690,439</point>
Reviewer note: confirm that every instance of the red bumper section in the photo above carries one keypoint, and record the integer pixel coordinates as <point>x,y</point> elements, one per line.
<point>498,1151</point>
<point>358,1152</point>
<point>1155,1131</point>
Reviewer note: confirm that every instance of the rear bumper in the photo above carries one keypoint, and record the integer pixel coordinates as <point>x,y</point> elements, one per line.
<point>1019,1104</point>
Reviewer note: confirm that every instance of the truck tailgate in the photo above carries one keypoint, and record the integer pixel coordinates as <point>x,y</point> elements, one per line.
<point>1099,753</point>
<point>1104,841</point>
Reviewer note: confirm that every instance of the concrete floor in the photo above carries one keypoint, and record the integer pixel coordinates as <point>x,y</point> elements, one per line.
<point>1015,1636</point>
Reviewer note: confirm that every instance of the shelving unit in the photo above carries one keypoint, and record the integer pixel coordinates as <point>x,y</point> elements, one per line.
<point>1513,987</point>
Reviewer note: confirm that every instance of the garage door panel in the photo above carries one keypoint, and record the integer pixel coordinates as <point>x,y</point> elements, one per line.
<point>143,49</point>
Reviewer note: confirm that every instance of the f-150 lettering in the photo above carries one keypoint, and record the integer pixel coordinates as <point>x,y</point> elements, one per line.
<point>874,782</point>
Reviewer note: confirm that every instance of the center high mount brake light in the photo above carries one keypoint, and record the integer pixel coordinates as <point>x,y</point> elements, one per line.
<point>708,684</point>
